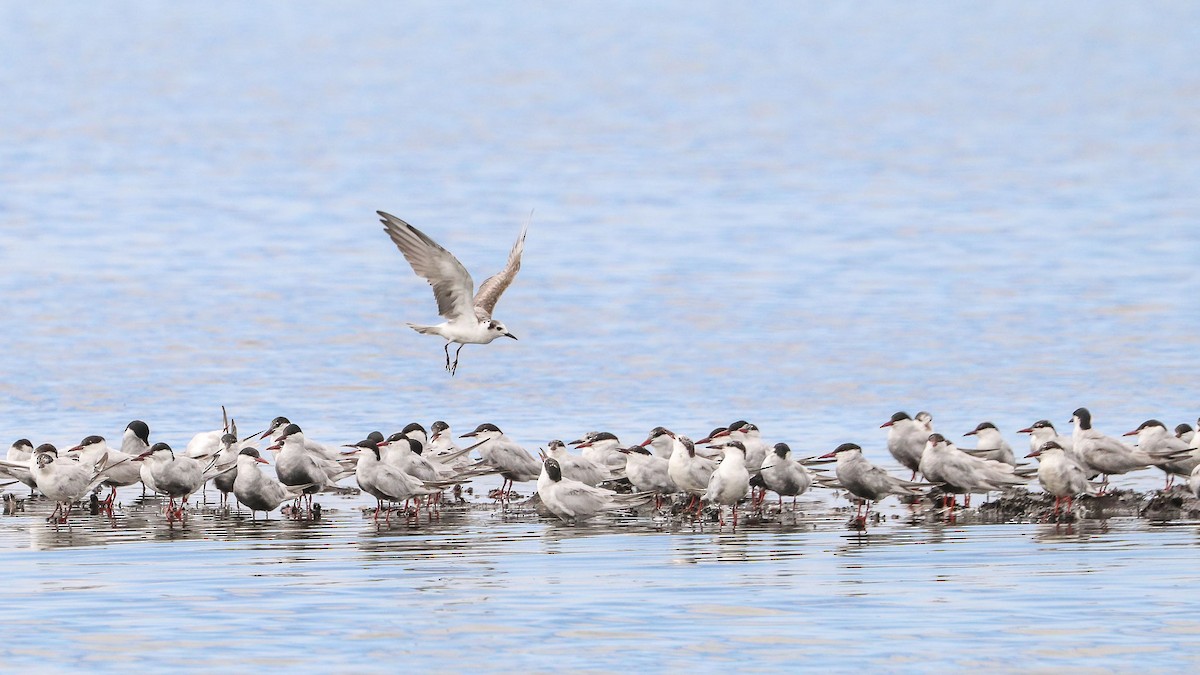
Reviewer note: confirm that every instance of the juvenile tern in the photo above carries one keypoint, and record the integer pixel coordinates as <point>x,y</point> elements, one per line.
<point>1060,475</point>
<point>468,314</point>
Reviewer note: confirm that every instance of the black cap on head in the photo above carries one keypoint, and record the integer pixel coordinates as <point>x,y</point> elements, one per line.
<point>22,443</point>
<point>368,444</point>
<point>985,425</point>
<point>395,438</point>
<point>46,448</point>
<point>1085,418</point>
<point>737,425</point>
<point>688,444</point>
<point>415,445</point>
<point>936,438</point>
<point>376,436</point>
<point>1151,423</point>
<point>604,436</point>
<point>92,440</point>
<point>1181,429</point>
<point>896,417</point>
<point>637,449</point>
<point>140,429</point>
<point>487,427</point>
<point>289,430</point>
<point>278,422</point>
<point>438,426</point>
<point>659,431</point>
<point>553,470</point>
<point>1043,424</point>
<point>1050,445</point>
<point>846,447</point>
<point>736,444</point>
<point>781,449</point>
<point>413,426</point>
<point>250,452</point>
<point>228,439</point>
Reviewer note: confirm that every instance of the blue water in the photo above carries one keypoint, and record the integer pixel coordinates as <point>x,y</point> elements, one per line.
<point>806,215</point>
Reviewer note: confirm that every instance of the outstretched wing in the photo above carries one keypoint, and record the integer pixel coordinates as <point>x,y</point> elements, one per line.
<point>452,283</point>
<point>491,289</point>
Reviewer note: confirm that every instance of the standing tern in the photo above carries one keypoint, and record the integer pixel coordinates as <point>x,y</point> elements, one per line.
<point>1105,454</point>
<point>297,464</point>
<point>960,473</point>
<point>730,483</point>
<point>119,470</point>
<point>20,454</point>
<point>689,471</point>
<point>866,481</point>
<point>649,473</point>
<point>176,476</point>
<point>906,439</point>
<point>1060,475</point>
<point>256,490</point>
<point>468,314</point>
<point>513,462</point>
<point>1155,440</point>
<point>991,444</point>
<point>783,475</point>
<point>573,501</point>
<point>63,480</point>
<point>385,482</point>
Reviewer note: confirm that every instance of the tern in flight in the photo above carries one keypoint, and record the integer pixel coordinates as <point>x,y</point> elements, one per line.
<point>468,314</point>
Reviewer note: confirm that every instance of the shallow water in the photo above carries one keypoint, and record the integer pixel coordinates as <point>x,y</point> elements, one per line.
<point>805,216</point>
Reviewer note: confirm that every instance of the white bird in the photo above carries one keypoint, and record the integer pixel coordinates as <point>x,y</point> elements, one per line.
<point>1105,454</point>
<point>991,444</point>
<point>384,481</point>
<point>730,483</point>
<point>176,476</point>
<point>960,473</point>
<point>783,475</point>
<point>20,458</point>
<point>1060,475</point>
<point>402,454</point>
<point>511,461</point>
<point>906,439</point>
<point>573,501</point>
<point>256,490</point>
<point>661,442</point>
<point>866,481</point>
<point>1194,481</point>
<point>468,314</point>
<point>134,441</point>
<point>649,473</point>
<point>602,448</point>
<point>208,443</point>
<point>1156,441</point>
<point>119,470</point>
<point>442,448</point>
<point>689,471</point>
<point>62,480</point>
<point>297,464</point>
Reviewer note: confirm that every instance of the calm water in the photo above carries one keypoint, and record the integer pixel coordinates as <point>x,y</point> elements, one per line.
<point>809,216</point>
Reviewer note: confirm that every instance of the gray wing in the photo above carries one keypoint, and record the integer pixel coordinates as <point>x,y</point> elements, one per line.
<point>491,289</point>
<point>452,283</point>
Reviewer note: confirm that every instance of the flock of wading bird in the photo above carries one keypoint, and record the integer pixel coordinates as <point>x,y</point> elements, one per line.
<point>729,466</point>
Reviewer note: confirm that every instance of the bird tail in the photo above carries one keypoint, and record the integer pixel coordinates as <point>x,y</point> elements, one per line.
<point>423,330</point>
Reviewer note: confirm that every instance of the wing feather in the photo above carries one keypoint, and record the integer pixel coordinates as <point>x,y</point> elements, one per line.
<point>452,283</point>
<point>494,286</point>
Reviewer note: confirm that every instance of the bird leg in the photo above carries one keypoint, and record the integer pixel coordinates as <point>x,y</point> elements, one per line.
<point>454,368</point>
<point>735,515</point>
<point>967,501</point>
<point>446,348</point>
